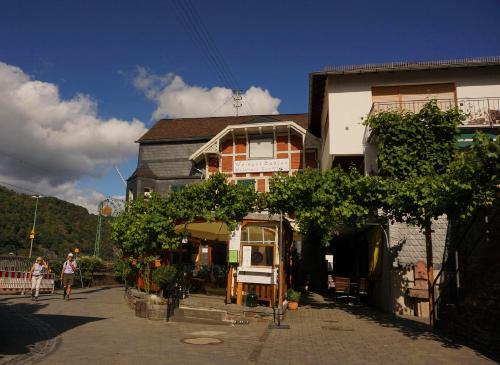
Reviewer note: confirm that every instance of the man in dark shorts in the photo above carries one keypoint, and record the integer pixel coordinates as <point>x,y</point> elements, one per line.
<point>68,275</point>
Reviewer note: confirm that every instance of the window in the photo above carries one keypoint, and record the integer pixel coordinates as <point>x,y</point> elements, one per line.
<point>176,187</point>
<point>258,245</point>
<point>261,148</point>
<point>148,192</point>
<point>246,182</point>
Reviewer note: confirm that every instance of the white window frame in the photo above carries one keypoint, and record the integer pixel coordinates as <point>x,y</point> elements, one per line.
<point>264,154</point>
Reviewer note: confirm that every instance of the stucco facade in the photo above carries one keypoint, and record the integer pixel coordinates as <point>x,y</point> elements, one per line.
<point>348,100</point>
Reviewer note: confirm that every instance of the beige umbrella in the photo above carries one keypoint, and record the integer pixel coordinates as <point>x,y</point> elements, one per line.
<point>211,231</point>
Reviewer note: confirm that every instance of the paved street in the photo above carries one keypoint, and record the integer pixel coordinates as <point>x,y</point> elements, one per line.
<point>96,327</point>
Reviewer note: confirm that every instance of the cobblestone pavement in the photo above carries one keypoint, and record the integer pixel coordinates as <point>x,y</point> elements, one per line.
<point>96,327</point>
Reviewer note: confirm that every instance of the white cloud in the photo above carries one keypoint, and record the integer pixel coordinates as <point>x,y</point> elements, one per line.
<point>176,99</point>
<point>69,191</point>
<point>48,143</point>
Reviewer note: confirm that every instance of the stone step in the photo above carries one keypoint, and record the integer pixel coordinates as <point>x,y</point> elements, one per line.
<point>200,315</point>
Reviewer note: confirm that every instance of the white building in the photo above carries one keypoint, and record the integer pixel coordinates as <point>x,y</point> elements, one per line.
<point>341,97</point>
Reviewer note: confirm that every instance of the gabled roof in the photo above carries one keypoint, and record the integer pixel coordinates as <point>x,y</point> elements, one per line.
<point>205,128</point>
<point>212,146</point>
<point>317,80</point>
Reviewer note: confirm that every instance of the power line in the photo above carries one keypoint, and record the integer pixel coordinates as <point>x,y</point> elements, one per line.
<point>229,98</point>
<point>36,167</point>
<point>197,38</point>
<point>212,44</point>
<point>38,193</point>
<point>199,33</point>
<point>21,188</point>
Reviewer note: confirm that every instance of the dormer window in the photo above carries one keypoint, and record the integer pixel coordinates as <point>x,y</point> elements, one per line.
<point>147,193</point>
<point>261,147</point>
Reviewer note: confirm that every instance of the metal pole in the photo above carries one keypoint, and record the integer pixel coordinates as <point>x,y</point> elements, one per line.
<point>280,245</point>
<point>33,229</point>
<point>279,325</point>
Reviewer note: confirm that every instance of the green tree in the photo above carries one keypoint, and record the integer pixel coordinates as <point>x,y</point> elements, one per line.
<point>148,225</point>
<point>326,201</point>
<point>60,227</point>
<point>144,227</point>
<point>472,179</point>
<point>414,152</point>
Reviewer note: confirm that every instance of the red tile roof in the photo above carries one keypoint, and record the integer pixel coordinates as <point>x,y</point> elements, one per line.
<point>206,128</point>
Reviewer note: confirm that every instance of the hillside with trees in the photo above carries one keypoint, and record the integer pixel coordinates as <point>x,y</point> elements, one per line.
<point>60,227</point>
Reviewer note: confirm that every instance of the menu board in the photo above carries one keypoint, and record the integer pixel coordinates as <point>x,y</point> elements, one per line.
<point>247,256</point>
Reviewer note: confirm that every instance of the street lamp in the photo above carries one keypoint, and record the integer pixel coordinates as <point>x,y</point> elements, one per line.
<point>32,234</point>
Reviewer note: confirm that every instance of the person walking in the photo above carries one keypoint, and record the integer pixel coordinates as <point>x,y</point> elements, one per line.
<point>36,274</point>
<point>68,275</point>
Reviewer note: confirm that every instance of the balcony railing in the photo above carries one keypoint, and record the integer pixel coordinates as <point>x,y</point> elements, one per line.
<point>479,112</point>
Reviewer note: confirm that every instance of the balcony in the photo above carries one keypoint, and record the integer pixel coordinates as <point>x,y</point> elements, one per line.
<point>479,112</point>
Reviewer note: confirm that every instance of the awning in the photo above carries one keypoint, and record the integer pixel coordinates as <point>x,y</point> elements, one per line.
<point>212,231</point>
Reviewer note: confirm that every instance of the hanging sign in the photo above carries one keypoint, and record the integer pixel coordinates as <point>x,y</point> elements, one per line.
<point>277,164</point>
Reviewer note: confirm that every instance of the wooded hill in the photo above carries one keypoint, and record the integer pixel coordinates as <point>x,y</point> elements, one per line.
<point>60,226</point>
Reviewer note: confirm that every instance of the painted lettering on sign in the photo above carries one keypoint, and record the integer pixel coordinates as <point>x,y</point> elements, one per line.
<point>272,165</point>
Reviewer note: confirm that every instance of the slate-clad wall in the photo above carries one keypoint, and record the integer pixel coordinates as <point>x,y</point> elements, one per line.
<point>169,159</point>
<point>165,164</point>
<point>408,243</point>
<point>170,150</point>
<point>407,246</point>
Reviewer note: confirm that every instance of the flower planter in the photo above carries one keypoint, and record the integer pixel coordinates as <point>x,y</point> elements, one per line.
<point>157,312</point>
<point>293,305</point>
<point>141,308</point>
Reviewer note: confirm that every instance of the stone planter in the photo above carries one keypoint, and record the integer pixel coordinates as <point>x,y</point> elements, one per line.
<point>157,312</point>
<point>141,308</point>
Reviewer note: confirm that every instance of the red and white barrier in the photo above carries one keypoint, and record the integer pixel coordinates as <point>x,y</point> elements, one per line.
<point>13,282</point>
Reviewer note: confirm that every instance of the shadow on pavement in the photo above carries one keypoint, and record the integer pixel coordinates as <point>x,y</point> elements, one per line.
<point>21,327</point>
<point>95,289</point>
<point>412,328</point>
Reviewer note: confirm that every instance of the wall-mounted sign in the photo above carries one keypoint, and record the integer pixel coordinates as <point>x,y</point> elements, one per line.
<point>233,257</point>
<point>272,165</point>
<point>247,256</point>
<point>234,242</point>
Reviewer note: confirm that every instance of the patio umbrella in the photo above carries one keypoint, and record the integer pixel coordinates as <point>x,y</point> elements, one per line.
<point>211,231</point>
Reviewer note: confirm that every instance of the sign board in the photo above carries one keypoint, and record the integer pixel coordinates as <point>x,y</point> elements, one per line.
<point>247,256</point>
<point>271,165</point>
<point>234,242</point>
<point>233,257</point>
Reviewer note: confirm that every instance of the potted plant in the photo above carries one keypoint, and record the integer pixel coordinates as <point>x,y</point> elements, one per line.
<point>163,275</point>
<point>293,297</point>
<point>156,305</point>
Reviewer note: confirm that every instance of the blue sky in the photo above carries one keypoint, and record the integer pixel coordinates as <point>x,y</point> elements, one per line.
<point>95,47</point>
